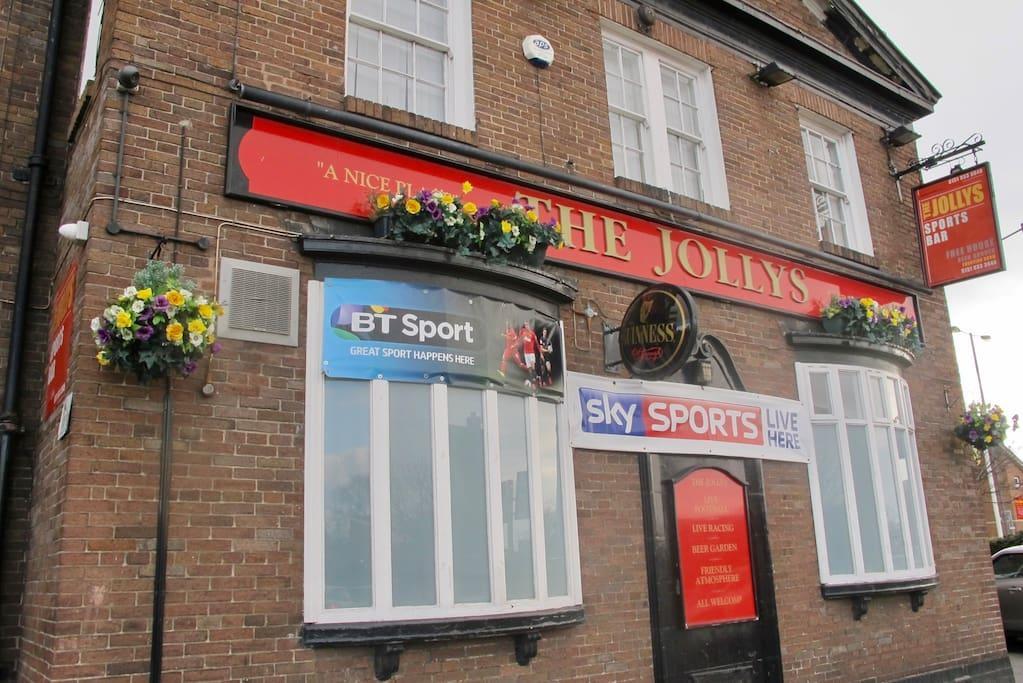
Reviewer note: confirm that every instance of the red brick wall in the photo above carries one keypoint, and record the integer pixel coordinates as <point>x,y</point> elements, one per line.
<point>234,606</point>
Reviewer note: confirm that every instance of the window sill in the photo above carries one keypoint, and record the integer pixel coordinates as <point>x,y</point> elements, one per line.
<point>669,197</point>
<point>389,638</point>
<point>862,593</point>
<point>407,119</point>
<point>851,254</point>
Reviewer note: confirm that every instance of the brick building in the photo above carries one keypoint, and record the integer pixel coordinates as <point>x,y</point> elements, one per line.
<point>338,519</point>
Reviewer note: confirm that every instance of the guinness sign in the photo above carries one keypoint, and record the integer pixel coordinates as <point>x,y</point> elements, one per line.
<point>658,332</point>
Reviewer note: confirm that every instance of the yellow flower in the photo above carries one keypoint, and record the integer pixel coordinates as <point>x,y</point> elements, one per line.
<point>412,206</point>
<point>206,311</point>
<point>506,226</point>
<point>174,298</point>
<point>867,302</point>
<point>144,294</point>
<point>531,215</point>
<point>466,187</point>
<point>218,309</point>
<point>495,203</point>
<point>557,227</point>
<point>446,199</point>
<point>123,320</point>
<point>175,332</point>
<point>383,201</point>
<point>987,439</point>
<point>196,325</point>
<point>102,359</point>
<point>987,428</point>
<point>469,208</point>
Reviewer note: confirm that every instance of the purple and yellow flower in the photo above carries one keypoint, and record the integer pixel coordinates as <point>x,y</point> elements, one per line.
<point>144,333</point>
<point>161,304</point>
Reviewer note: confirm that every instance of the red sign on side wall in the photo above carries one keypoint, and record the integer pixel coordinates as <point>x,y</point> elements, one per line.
<point>713,549</point>
<point>58,354</point>
<point>958,227</point>
<point>309,167</point>
<point>1017,506</point>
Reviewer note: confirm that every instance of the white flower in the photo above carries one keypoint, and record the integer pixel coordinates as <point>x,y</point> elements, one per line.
<point>201,300</point>
<point>95,324</point>
<point>130,292</point>
<point>532,244</point>
<point>126,333</point>
<point>185,294</point>
<point>111,312</point>
<point>137,305</point>
<point>195,338</point>
<point>518,207</point>
<point>515,231</point>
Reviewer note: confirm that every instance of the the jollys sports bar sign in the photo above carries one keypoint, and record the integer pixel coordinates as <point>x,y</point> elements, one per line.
<point>296,164</point>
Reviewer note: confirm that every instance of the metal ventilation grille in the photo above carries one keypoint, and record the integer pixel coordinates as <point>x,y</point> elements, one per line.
<point>260,302</point>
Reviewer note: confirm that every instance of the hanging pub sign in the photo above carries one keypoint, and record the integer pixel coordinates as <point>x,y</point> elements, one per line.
<point>715,570</point>
<point>1017,507</point>
<point>958,227</point>
<point>630,415</point>
<point>379,329</point>
<point>288,163</point>
<point>658,332</point>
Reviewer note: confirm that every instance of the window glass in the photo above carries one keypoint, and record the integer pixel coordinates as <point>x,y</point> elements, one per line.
<point>1009,566</point>
<point>852,400</point>
<point>412,538</point>
<point>889,477</point>
<point>829,467</point>
<point>347,566</point>
<point>866,505</point>
<point>553,501</point>
<point>821,393</point>
<point>515,506</point>
<point>468,496</point>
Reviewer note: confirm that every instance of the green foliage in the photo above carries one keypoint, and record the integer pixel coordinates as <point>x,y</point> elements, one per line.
<point>866,319</point>
<point>1005,542</point>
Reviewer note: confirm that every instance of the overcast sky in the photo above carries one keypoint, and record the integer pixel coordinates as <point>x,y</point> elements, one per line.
<point>967,56</point>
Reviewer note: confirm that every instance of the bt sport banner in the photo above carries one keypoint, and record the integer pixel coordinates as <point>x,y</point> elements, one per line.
<point>379,329</point>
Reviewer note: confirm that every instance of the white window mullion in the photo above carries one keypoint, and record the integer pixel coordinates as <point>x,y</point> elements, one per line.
<point>575,591</point>
<point>536,498</point>
<point>380,494</point>
<point>314,580</point>
<point>442,497</point>
<point>848,482</point>
<point>660,159</point>
<point>495,513</point>
<point>816,503</point>
<point>900,495</point>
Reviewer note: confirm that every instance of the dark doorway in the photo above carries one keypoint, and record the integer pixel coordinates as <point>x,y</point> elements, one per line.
<point>746,650</point>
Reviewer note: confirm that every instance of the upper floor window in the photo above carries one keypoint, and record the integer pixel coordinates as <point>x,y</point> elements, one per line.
<point>835,184</point>
<point>664,128</point>
<point>866,488</point>
<point>414,55</point>
<point>90,51</point>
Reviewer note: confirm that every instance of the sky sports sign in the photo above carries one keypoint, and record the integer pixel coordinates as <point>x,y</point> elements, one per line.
<point>666,417</point>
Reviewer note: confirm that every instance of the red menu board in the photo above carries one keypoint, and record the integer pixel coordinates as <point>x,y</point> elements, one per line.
<point>1017,506</point>
<point>296,164</point>
<point>713,549</point>
<point>958,227</point>
<point>58,356</point>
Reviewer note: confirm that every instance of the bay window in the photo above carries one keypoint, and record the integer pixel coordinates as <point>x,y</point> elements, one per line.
<point>866,488</point>
<point>426,501</point>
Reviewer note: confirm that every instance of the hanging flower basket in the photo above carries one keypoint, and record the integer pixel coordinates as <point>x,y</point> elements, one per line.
<point>983,426</point>
<point>158,325</point>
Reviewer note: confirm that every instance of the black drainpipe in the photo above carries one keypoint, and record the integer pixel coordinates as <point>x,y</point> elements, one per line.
<point>10,420</point>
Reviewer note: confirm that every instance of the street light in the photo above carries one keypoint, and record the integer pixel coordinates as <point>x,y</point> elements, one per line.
<point>987,456</point>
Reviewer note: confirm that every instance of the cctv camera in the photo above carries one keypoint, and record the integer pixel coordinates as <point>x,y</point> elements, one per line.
<point>128,78</point>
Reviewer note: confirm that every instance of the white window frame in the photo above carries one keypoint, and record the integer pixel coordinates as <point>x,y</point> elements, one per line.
<point>90,50</point>
<point>459,109</point>
<point>314,607</point>
<point>837,417</point>
<point>857,225</point>
<point>657,159</point>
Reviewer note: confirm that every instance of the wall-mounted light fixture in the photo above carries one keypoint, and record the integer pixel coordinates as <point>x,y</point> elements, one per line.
<point>897,137</point>
<point>75,232</point>
<point>770,75</point>
<point>647,18</point>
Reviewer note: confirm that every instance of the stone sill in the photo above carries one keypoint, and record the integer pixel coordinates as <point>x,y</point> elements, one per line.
<point>889,352</point>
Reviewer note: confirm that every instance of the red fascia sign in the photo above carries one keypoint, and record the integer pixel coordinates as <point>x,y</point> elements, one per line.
<point>58,355</point>
<point>716,573</point>
<point>288,163</point>
<point>958,227</point>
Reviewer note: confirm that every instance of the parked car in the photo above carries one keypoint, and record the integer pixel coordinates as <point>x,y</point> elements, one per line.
<point>1008,565</point>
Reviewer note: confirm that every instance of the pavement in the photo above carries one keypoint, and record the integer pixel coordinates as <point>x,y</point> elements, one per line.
<point>1016,657</point>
